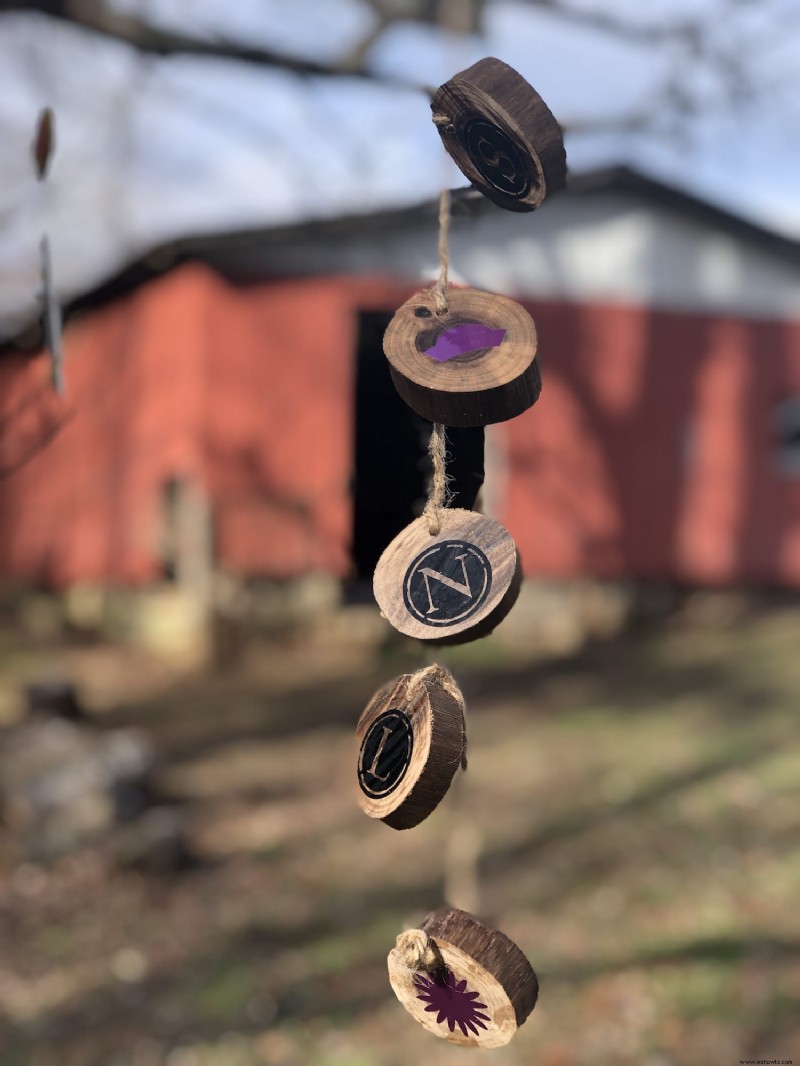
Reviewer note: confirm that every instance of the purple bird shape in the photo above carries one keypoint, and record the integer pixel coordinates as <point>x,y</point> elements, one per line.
<point>468,337</point>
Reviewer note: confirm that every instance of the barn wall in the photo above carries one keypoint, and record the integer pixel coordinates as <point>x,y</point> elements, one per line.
<point>244,393</point>
<point>652,452</point>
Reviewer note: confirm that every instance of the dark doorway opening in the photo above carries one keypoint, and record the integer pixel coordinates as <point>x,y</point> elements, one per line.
<point>391,462</point>
<point>392,467</point>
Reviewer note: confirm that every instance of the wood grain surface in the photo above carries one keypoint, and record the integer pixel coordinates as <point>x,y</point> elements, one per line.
<point>501,134</point>
<point>452,587</point>
<point>482,384</point>
<point>411,739</point>
<point>478,989</point>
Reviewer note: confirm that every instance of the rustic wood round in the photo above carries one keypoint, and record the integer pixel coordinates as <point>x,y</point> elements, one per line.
<point>501,134</point>
<point>452,587</point>
<point>471,366</point>
<point>411,740</point>
<point>462,981</point>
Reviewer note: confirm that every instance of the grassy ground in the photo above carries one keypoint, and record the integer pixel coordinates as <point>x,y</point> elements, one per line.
<point>630,818</point>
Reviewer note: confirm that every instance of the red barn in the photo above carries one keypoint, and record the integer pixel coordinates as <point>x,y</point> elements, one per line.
<point>240,398</point>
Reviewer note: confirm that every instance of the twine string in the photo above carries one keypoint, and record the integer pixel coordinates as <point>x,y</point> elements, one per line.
<point>439,290</point>
<point>439,494</point>
<point>418,951</point>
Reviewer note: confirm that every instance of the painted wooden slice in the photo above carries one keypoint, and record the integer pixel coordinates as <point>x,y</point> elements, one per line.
<point>462,981</point>
<point>471,366</point>
<point>411,740</point>
<point>452,587</point>
<point>501,134</point>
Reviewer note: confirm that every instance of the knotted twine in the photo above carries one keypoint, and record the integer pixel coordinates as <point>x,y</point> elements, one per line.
<point>439,495</point>
<point>418,951</point>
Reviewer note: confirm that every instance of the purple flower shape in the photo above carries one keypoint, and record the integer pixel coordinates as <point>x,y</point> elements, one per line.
<point>455,1005</point>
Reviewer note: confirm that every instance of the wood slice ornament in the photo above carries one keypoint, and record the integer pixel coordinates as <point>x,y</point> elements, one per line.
<point>462,981</point>
<point>43,142</point>
<point>473,365</point>
<point>411,740</point>
<point>450,587</point>
<point>501,135</point>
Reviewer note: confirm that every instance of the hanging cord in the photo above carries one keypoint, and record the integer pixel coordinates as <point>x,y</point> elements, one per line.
<point>439,290</point>
<point>439,495</point>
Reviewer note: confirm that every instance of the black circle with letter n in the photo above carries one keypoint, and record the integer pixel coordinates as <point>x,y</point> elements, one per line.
<point>497,158</point>
<point>447,583</point>
<point>385,754</point>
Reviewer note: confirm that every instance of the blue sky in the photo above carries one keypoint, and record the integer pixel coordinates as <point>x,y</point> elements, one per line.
<point>150,149</point>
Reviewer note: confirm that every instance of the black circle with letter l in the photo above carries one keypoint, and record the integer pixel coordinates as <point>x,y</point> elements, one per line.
<point>447,583</point>
<point>385,754</point>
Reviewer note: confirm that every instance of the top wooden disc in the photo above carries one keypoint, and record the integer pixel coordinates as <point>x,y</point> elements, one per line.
<point>472,366</point>
<point>452,587</point>
<point>462,981</point>
<point>501,134</point>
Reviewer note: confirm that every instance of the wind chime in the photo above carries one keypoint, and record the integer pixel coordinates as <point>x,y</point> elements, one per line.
<point>459,358</point>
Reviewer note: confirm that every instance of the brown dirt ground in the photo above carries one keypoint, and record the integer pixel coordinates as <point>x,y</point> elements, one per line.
<point>630,818</point>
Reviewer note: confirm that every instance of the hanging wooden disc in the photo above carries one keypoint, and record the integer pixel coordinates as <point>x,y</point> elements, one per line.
<point>453,587</point>
<point>471,366</point>
<point>411,740</point>
<point>43,142</point>
<point>462,981</point>
<point>501,134</point>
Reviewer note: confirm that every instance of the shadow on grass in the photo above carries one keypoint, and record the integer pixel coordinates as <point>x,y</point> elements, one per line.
<point>575,823</point>
<point>237,988</point>
<point>621,672</point>
<point>624,673</point>
<point>246,985</point>
<point>237,984</point>
<point>721,949</point>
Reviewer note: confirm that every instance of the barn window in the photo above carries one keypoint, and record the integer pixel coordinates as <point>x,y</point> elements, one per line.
<point>786,420</point>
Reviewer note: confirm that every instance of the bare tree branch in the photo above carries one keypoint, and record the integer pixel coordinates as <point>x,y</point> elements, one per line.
<point>693,39</point>
<point>93,16</point>
<point>97,16</point>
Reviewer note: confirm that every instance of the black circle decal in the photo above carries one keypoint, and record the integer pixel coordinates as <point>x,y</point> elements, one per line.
<point>447,583</point>
<point>496,157</point>
<point>385,754</point>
